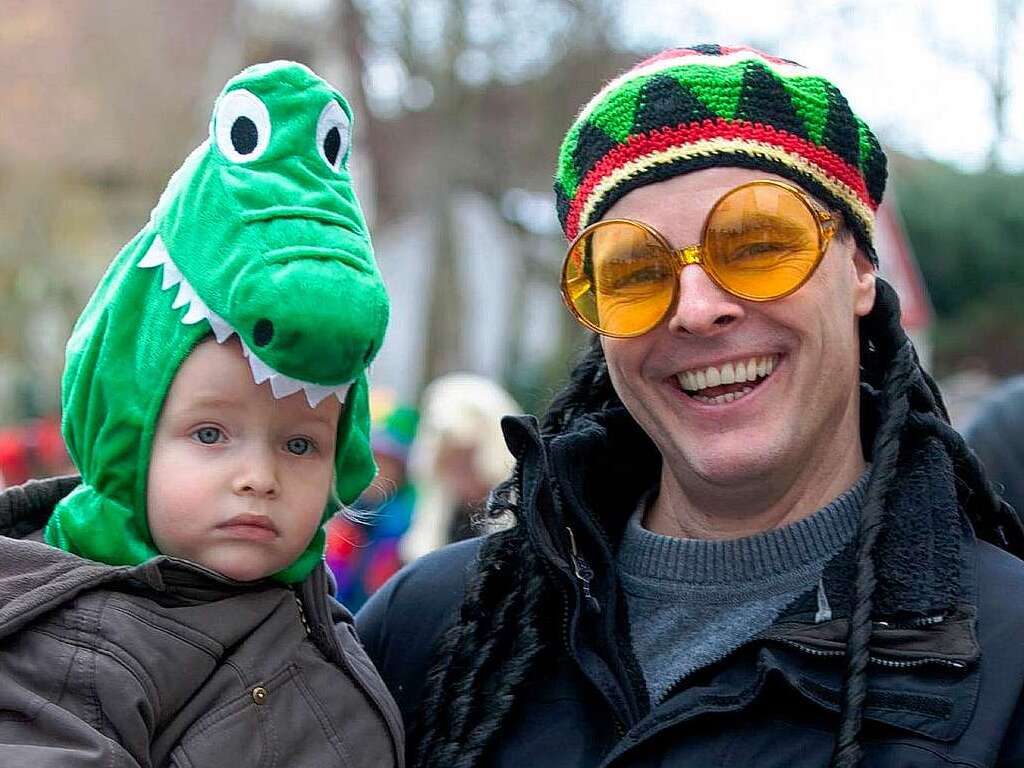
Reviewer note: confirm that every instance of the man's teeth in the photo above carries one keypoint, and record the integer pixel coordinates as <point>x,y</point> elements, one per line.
<point>734,372</point>
<point>280,385</point>
<point>728,397</point>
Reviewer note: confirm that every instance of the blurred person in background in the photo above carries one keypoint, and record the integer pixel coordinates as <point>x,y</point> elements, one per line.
<point>996,433</point>
<point>363,544</point>
<point>458,457</point>
<point>746,533</point>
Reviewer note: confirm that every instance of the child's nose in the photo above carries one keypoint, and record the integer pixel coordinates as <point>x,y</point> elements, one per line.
<point>258,478</point>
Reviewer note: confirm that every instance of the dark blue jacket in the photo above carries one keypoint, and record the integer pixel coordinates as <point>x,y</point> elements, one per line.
<point>947,671</point>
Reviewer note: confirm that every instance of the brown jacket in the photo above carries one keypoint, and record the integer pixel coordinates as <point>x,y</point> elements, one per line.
<point>169,664</point>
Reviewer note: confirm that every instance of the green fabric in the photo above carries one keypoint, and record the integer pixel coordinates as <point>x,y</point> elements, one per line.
<point>401,424</point>
<point>276,234</point>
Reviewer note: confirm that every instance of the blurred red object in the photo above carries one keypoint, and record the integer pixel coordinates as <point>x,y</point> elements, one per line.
<point>34,449</point>
<point>14,465</point>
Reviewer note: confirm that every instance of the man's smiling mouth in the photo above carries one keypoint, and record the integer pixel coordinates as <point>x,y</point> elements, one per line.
<point>717,384</point>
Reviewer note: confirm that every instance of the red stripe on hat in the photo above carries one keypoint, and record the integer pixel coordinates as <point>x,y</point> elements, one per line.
<point>660,140</point>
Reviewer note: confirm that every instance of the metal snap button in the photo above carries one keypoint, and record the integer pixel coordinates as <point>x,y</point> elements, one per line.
<point>259,694</point>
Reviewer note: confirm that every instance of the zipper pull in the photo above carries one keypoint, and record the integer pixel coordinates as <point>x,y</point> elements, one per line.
<point>302,613</point>
<point>584,575</point>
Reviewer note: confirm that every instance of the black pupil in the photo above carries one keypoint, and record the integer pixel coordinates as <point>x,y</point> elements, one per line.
<point>332,143</point>
<point>244,135</point>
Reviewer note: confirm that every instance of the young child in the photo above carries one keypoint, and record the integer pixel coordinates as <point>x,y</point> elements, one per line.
<point>173,609</point>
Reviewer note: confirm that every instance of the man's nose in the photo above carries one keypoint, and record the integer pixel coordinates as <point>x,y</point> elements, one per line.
<point>703,308</point>
<point>258,475</point>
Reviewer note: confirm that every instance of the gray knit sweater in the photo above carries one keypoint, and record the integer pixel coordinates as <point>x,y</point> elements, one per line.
<point>692,602</point>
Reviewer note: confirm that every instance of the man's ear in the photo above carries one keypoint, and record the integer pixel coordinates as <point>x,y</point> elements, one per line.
<point>863,285</point>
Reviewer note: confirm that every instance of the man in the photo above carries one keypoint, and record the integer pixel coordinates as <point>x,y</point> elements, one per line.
<point>746,534</point>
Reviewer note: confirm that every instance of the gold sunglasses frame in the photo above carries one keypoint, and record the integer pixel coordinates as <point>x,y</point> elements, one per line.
<point>694,254</point>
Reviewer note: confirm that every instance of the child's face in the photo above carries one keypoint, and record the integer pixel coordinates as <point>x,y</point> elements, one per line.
<point>238,481</point>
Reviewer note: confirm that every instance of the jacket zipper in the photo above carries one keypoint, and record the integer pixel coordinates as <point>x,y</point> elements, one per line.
<point>584,574</point>
<point>885,663</point>
<point>888,663</point>
<point>302,613</point>
<point>925,621</point>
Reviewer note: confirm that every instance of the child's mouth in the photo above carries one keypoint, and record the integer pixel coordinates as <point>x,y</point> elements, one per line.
<point>253,527</point>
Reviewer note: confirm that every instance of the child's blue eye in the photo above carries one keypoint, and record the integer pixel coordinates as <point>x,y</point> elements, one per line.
<point>208,435</point>
<point>299,446</point>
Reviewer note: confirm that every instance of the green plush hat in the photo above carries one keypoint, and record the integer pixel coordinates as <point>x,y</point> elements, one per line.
<point>710,105</point>
<point>259,234</point>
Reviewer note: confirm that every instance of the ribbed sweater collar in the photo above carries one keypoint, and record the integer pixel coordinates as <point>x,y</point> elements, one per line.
<point>751,559</point>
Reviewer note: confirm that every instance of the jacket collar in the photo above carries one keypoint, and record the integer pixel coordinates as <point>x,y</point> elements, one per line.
<point>596,473</point>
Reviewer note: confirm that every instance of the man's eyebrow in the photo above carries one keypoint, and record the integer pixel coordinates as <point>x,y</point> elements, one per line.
<point>757,221</point>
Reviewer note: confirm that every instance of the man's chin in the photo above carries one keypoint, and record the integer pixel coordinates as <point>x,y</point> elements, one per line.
<point>728,465</point>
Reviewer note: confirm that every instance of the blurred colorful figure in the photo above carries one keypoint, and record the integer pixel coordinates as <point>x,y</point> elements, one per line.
<point>458,456</point>
<point>363,544</point>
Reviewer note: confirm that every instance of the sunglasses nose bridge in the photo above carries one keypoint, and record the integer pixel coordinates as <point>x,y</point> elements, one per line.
<point>691,254</point>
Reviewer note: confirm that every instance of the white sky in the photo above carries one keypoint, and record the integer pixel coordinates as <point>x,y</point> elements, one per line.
<point>902,64</point>
<point>908,67</point>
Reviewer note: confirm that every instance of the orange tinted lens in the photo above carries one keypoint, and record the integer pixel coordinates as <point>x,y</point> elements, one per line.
<point>762,241</point>
<point>619,279</point>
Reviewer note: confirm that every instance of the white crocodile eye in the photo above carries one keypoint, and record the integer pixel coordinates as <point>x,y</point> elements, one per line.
<point>243,126</point>
<point>333,130</point>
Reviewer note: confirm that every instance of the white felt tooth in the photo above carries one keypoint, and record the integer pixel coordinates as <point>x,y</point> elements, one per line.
<point>185,295</point>
<point>283,386</point>
<point>156,255</point>
<point>172,275</point>
<point>245,348</point>
<point>260,370</point>
<point>220,328</point>
<point>316,393</point>
<point>197,311</point>
<point>342,392</point>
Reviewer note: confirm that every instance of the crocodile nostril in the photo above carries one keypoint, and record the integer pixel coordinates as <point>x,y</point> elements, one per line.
<point>262,333</point>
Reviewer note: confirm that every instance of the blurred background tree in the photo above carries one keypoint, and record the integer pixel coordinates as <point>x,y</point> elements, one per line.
<point>460,107</point>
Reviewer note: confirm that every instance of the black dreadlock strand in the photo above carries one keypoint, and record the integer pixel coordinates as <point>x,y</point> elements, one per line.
<point>881,329</point>
<point>502,614</point>
<point>909,399</point>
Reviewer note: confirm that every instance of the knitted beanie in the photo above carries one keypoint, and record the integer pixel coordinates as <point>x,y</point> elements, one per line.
<point>707,106</point>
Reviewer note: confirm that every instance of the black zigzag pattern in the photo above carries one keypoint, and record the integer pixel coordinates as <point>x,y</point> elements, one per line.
<point>561,203</point>
<point>841,135</point>
<point>708,49</point>
<point>875,168</point>
<point>592,145</point>
<point>665,103</point>
<point>764,99</point>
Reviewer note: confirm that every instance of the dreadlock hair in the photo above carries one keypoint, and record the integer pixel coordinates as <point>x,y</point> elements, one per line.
<point>907,399</point>
<point>482,662</point>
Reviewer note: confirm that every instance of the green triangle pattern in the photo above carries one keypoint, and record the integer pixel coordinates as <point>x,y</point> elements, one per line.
<point>718,87</point>
<point>615,115</point>
<point>810,97</point>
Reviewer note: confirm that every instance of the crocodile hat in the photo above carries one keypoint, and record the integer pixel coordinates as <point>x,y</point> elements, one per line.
<point>260,236</point>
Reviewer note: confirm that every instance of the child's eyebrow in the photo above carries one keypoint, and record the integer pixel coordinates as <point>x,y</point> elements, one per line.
<point>317,418</point>
<point>203,402</point>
